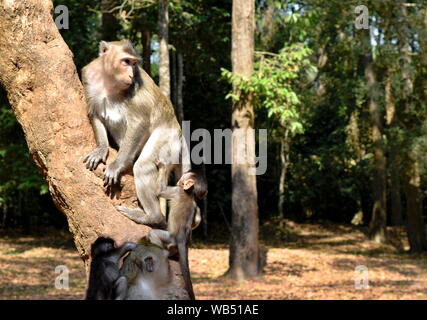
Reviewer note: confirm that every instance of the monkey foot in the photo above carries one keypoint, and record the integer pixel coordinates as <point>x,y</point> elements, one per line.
<point>139,216</point>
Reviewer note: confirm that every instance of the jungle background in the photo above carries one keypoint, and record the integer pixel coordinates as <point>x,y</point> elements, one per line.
<point>345,110</point>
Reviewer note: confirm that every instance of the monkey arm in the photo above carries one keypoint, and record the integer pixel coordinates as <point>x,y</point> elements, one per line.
<point>135,138</point>
<point>99,154</point>
<point>169,192</point>
<point>125,248</point>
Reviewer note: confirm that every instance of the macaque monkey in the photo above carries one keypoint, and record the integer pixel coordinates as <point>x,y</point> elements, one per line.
<point>184,216</point>
<point>125,105</point>
<point>149,275</point>
<point>105,283</point>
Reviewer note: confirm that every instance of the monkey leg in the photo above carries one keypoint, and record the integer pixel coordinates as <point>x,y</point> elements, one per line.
<point>146,180</point>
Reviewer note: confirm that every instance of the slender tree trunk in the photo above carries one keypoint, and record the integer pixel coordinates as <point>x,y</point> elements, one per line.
<point>415,224</point>
<point>173,79</point>
<point>164,71</point>
<point>379,211</point>
<point>146,51</point>
<point>179,86</point>
<point>110,25</point>
<point>284,162</point>
<point>396,203</point>
<point>205,209</point>
<point>39,76</point>
<point>244,247</point>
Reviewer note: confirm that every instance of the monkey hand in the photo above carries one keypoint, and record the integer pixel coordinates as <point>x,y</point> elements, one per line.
<point>98,155</point>
<point>112,173</point>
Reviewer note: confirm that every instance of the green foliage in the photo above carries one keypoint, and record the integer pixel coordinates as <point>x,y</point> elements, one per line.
<point>275,83</point>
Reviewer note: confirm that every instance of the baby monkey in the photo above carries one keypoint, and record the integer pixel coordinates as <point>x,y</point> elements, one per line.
<point>105,283</point>
<point>184,216</point>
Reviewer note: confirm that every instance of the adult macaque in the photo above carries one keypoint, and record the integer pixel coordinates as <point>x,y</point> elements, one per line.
<point>125,104</point>
<point>105,283</point>
<point>148,273</point>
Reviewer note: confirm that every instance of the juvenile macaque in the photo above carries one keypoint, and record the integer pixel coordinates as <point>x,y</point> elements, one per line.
<point>105,283</point>
<point>126,105</point>
<point>184,216</point>
<point>148,273</point>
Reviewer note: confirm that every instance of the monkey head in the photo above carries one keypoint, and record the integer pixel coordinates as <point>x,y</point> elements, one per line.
<point>101,246</point>
<point>120,64</point>
<point>193,183</point>
<point>148,260</point>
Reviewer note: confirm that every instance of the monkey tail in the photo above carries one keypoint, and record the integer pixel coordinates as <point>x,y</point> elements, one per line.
<point>183,261</point>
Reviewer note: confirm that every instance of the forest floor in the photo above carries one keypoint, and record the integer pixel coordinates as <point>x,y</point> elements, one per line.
<point>303,261</point>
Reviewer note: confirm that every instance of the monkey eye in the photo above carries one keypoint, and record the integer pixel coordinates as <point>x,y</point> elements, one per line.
<point>126,62</point>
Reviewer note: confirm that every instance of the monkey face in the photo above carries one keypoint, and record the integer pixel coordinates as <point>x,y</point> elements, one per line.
<point>151,259</point>
<point>120,62</point>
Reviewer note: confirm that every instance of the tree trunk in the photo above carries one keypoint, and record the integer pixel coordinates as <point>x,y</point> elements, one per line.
<point>244,248</point>
<point>396,203</point>
<point>146,51</point>
<point>164,71</point>
<point>284,161</point>
<point>379,213</point>
<point>415,224</point>
<point>179,86</point>
<point>109,23</point>
<point>173,79</point>
<point>204,209</point>
<point>38,73</point>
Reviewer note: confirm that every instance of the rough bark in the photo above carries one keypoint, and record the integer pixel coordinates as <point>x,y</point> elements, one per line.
<point>244,248</point>
<point>146,51</point>
<point>43,88</point>
<point>377,228</point>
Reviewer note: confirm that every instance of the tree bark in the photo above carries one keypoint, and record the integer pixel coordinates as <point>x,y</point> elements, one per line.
<point>179,86</point>
<point>244,248</point>
<point>415,224</point>
<point>396,203</point>
<point>377,228</point>
<point>146,51</point>
<point>164,68</point>
<point>284,161</point>
<point>164,71</point>
<point>38,73</point>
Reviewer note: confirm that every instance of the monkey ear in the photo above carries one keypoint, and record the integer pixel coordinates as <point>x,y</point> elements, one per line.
<point>103,47</point>
<point>187,184</point>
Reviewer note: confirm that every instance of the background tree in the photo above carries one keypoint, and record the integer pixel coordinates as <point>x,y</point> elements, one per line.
<point>244,247</point>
